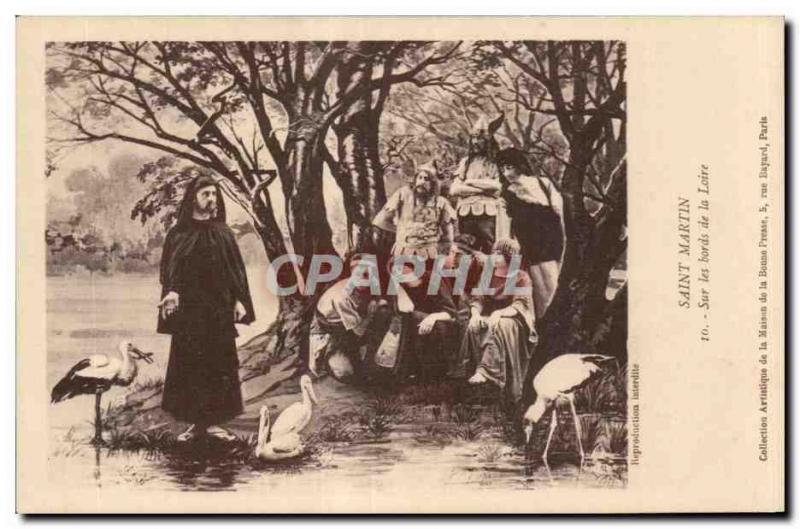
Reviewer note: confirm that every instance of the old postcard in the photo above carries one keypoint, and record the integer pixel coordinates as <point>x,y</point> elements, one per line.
<point>400,265</point>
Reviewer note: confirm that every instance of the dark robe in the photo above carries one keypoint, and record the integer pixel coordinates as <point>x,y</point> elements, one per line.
<point>202,263</point>
<point>428,354</point>
<point>537,227</point>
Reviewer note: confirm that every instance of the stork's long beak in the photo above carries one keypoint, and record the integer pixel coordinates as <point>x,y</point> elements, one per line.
<point>141,355</point>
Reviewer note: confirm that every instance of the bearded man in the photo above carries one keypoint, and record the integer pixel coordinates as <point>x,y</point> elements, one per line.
<point>422,219</point>
<point>476,188</point>
<point>204,293</point>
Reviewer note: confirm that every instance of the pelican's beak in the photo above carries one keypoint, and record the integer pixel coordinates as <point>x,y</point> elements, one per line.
<point>141,355</point>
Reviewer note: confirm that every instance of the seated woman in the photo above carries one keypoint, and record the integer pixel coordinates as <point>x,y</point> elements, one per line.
<point>536,210</point>
<point>500,334</point>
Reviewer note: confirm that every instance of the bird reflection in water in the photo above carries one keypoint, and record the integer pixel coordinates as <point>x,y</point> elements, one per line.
<point>97,474</point>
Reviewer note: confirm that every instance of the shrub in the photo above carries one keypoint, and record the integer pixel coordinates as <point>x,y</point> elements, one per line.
<point>335,429</point>
<point>375,426</point>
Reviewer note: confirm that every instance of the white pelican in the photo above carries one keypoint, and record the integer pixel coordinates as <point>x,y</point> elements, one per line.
<point>559,379</point>
<point>296,416</point>
<point>275,448</point>
<point>96,374</point>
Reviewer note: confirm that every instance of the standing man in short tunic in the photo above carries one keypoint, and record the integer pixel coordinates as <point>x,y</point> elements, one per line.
<point>477,187</point>
<point>422,219</point>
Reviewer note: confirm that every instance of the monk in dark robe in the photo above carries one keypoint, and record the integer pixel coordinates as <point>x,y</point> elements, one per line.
<point>204,293</point>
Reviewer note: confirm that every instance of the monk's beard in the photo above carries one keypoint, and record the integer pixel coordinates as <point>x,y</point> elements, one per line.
<point>210,210</point>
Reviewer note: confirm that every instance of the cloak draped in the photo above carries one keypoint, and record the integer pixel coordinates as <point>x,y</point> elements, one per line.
<point>202,264</point>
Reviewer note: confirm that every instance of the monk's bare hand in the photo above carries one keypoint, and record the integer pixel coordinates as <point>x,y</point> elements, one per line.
<point>239,312</point>
<point>169,304</point>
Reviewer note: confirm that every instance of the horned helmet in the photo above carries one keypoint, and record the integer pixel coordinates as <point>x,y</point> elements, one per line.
<point>481,139</point>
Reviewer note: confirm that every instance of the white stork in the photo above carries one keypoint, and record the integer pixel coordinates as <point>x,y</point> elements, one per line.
<point>96,374</point>
<point>275,448</point>
<point>296,416</point>
<point>558,380</point>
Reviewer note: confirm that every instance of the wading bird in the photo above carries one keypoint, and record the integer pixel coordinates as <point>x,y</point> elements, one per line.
<point>272,447</point>
<point>296,416</point>
<point>96,374</point>
<point>558,380</point>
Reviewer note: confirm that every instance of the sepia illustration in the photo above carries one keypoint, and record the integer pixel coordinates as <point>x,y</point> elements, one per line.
<point>289,265</point>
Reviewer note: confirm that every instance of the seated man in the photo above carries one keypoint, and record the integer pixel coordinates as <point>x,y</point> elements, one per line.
<point>430,328</point>
<point>343,314</point>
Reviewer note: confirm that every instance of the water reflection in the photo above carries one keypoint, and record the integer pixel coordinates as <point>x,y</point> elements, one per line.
<point>386,465</point>
<point>97,474</point>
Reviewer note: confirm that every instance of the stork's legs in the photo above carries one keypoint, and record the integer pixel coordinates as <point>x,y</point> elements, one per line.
<point>577,426</point>
<point>553,423</point>
<point>98,421</point>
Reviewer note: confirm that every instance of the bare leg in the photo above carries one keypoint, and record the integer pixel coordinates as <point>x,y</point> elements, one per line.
<point>544,277</point>
<point>553,423</point>
<point>577,426</point>
<point>98,420</point>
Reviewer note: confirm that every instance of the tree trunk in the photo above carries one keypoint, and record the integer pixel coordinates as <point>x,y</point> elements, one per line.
<point>361,180</point>
<point>577,221</point>
<point>286,337</point>
<point>305,204</point>
<point>360,174</point>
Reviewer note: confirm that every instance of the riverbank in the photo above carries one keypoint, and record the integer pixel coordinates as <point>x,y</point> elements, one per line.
<point>429,416</point>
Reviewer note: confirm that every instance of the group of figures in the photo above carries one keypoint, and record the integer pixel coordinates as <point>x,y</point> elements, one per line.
<point>474,265</point>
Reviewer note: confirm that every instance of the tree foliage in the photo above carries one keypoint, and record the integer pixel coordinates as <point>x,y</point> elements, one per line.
<point>248,111</point>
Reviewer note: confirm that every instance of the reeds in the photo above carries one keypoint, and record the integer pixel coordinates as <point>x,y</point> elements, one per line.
<point>336,429</point>
<point>607,393</point>
<point>380,416</point>
<point>490,452</point>
<point>466,420</point>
